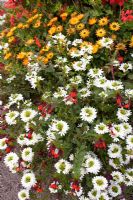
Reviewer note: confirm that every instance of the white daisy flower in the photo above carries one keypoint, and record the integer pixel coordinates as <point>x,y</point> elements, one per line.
<point>100,182</point>
<point>116,163</point>
<point>76,79</point>
<point>3,144</point>
<point>15,98</point>
<point>114,190</point>
<point>117,176</point>
<point>63,166</point>
<point>83,198</point>
<point>79,66</point>
<point>27,154</point>
<point>103,196</point>
<point>116,85</point>
<point>11,159</point>
<point>127,128</point>
<point>28,180</point>
<point>60,127</point>
<point>95,72</point>
<point>101,128</point>
<point>125,67</point>
<point>114,150</point>
<point>129,142</point>
<point>129,93</point>
<point>123,114</point>
<point>28,114</point>
<point>106,42</point>
<point>129,174</point>
<point>94,194</point>
<point>84,92</point>
<point>11,117</point>
<point>101,82</point>
<point>60,93</point>
<point>23,194</point>
<point>88,114</point>
<point>92,164</point>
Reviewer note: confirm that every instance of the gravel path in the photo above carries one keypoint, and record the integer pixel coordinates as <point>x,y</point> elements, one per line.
<point>9,184</point>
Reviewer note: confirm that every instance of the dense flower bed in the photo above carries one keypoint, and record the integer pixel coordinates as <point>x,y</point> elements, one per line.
<point>66,98</point>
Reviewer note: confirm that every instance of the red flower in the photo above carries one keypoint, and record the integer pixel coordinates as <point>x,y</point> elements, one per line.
<point>100,144</point>
<point>8,150</point>
<point>72,97</point>
<point>54,152</point>
<point>117,2</point>
<point>10,4</point>
<point>37,42</point>
<point>120,59</point>
<point>2,12</point>
<point>122,104</point>
<point>127,15</point>
<point>45,109</point>
<point>12,20</point>
<point>53,186</point>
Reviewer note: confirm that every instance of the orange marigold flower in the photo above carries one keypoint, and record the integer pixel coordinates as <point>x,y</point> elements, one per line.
<point>20,25</point>
<point>21,55</point>
<point>84,33</point>
<point>45,60</point>
<point>74,14</point>
<point>113,36</point>
<point>7,56</point>
<point>59,28</point>
<point>52,21</point>
<point>74,21</point>
<point>100,32</point>
<point>80,16</point>
<point>71,31</point>
<point>92,21</point>
<point>52,30</point>
<point>95,48</point>
<point>64,16</point>
<point>37,24</point>
<point>25,61</point>
<point>120,46</point>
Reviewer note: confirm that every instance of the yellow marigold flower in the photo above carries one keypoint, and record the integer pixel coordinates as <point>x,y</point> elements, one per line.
<point>114,26</point>
<point>131,44</point>
<point>92,21</point>
<point>25,61</point>
<point>80,16</point>
<point>121,46</point>
<point>35,16</point>
<point>37,24</point>
<point>64,16</point>
<point>84,33</point>
<point>100,32</point>
<point>20,25</point>
<point>50,55</point>
<point>113,36</point>
<point>11,39</point>
<point>21,55</point>
<point>52,30</point>
<point>74,21</point>
<point>45,60</point>
<point>9,34</point>
<point>95,48</point>
<point>7,56</point>
<point>29,42</point>
<point>52,21</point>
<point>59,28</point>
<point>30,20</point>
<point>103,21</point>
<point>13,28</point>
<point>25,26</point>
<point>80,26</point>
<point>71,31</point>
